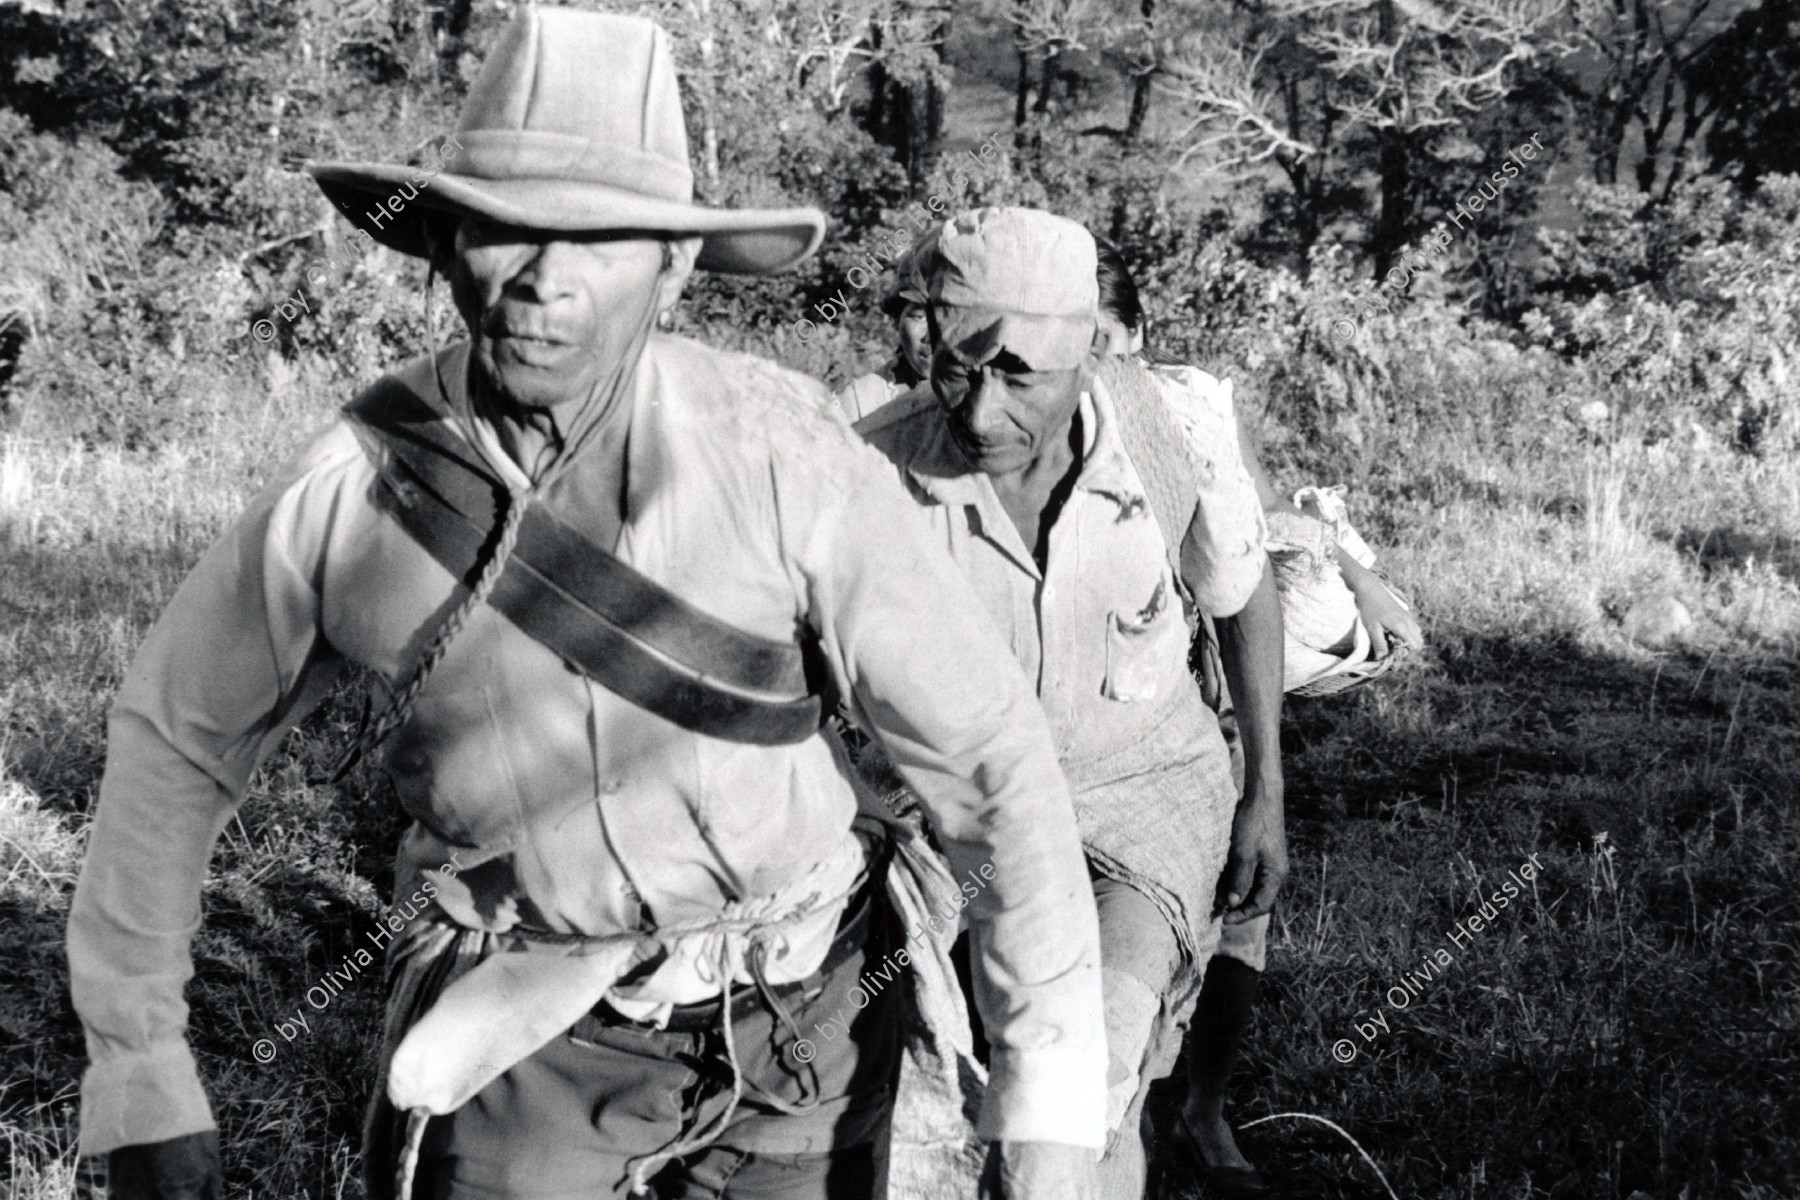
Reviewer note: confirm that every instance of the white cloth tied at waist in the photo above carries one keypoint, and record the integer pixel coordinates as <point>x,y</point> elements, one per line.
<point>509,1005</point>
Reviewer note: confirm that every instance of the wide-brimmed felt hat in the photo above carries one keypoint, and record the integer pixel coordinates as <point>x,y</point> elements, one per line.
<point>574,124</point>
<point>1018,277</point>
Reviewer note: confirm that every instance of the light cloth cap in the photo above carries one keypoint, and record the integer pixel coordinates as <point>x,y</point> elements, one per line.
<point>1018,277</point>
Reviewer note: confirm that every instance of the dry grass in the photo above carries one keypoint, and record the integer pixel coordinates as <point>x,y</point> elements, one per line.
<point>1631,1028</point>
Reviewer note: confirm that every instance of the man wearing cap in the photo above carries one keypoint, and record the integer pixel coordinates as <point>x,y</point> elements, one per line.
<point>1089,523</point>
<point>611,579</point>
<point>905,306</point>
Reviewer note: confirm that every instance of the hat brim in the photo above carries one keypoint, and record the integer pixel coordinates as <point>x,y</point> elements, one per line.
<point>735,241</point>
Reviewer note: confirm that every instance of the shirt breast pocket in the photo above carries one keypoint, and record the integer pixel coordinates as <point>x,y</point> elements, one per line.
<point>1138,648</point>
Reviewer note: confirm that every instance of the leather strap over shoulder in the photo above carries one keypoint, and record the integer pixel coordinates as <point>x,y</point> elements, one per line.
<point>622,629</point>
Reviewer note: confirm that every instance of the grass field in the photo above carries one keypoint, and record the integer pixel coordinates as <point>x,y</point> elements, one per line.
<point>1630,1025</point>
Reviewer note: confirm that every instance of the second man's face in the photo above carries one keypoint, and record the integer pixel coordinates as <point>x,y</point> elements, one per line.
<point>1003,410</point>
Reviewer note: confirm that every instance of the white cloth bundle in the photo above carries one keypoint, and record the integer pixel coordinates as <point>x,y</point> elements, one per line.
<point>1325,636</point>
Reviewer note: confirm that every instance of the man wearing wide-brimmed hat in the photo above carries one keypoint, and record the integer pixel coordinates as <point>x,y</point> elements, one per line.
<point>1097,521</point>
<point>612,580</point>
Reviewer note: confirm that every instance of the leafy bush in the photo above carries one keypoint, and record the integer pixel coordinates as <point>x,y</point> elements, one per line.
<point>848,175</point>
<point>1337,377</point>
<point>1685,314</point>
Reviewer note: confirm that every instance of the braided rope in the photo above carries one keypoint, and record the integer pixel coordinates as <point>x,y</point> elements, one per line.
<point>400,708</point>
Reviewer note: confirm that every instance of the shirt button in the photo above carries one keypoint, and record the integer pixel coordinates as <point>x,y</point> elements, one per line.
<point>611,787</point>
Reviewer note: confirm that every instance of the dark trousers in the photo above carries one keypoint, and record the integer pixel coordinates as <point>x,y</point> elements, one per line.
<point>568,1121</point>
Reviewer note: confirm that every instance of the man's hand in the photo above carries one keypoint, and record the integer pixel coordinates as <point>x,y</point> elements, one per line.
<point>1250,647</point>
<point>1389,623</point>
<point>183,1168</point>
<point>1258,863</point>
<point>1040,1171</point>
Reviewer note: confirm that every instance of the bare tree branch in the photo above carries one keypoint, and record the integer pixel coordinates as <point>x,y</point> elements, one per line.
<point>1438,65</point>
<point>1057,26</point>
<point>1216,82</point>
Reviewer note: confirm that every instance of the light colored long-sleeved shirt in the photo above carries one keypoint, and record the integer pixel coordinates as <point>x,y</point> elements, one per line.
<point>1099,628</point>
<point>569,808</point>
<point>863,396</point>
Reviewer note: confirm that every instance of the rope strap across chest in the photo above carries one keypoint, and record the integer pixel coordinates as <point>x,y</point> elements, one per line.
<point>622,629</point>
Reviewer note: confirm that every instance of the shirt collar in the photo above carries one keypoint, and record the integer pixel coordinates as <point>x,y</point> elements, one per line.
<point>441,380</point>
<point>1105,467</point>
<point>962,484</point>
<point>642,448</point>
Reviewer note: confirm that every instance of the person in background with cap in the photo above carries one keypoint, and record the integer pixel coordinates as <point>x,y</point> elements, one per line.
<point>1088,528</point>
<point>606,574</point>
<point>905,305</point>
<point>1307,582</point>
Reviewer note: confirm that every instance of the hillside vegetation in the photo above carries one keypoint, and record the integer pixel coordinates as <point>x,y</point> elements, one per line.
<point>1585,401</point>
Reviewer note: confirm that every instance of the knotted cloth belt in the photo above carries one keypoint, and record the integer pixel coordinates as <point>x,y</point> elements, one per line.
<point>506,1006</point>
<point>703,1015</point>
<point>625,631</point>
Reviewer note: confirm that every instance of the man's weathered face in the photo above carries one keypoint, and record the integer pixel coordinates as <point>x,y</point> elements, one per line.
<point>1003,409</point>
<point>915,337</point>
<point>552,313</point>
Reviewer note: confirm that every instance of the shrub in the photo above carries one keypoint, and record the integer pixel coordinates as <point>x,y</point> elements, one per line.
<point>1686,313</point>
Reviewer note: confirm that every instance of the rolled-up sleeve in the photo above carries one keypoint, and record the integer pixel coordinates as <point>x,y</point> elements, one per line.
<point>959,720</point>
<point>233,663</point>
<point>1222,556</point>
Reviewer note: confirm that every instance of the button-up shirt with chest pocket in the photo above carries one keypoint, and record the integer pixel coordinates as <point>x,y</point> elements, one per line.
<point>1099,628</point>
